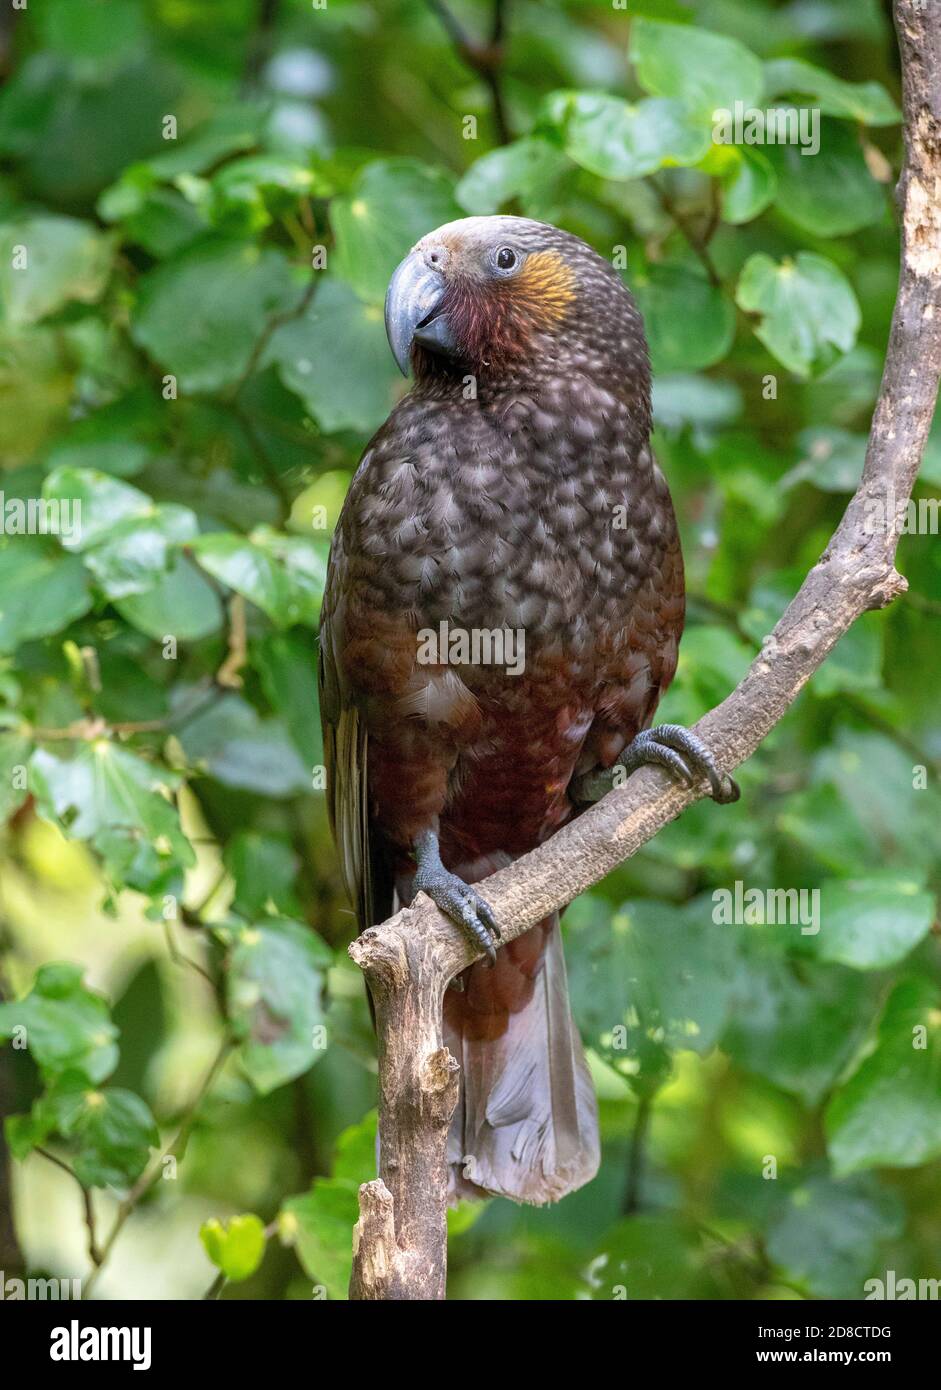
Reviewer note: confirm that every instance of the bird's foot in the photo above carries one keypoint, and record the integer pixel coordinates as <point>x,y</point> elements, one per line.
<point>455,898</point>
<point>684,756</point>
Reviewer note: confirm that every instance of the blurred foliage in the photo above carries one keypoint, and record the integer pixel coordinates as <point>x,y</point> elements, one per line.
<point>200,205</point>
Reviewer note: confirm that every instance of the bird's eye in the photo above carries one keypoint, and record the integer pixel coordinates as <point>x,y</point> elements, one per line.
<point>506,258</point>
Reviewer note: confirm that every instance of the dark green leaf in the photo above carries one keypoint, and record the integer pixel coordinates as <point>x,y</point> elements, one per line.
<point>313,352</point>
<point>275,985</point>
<point>225,292</point>
<point>826,1234</point>
<point>868,102</point>
<point>808,309</point>
<point>283,575</point>
<point>62,260</point>
<point>391,205</point>
<point>66,1027</point>
<point>620,141</point>
<point>690,322</point>
<point>889,1112</point>
<point>705,70</point>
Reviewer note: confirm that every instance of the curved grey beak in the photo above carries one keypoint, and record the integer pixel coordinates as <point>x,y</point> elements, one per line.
<point>413,310</point>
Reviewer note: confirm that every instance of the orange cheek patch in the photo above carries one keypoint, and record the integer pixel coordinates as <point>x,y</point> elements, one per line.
<point>546,285</point>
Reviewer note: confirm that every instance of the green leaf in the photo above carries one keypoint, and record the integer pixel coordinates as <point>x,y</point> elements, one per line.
<point>797,1028</point>
<point>897,823</point>
<point>108,795</point>
<point>705,70</point>
<point>355,1159</point>
<point>62,260</point>
<point>112,1131</point>
<point>712,662</point>
<point>127,539</point>
<point>67,1027</point>
<point>690,322</point>
<point>120,438</point>
<point>656,1255</point>
<point>263,867</point>
<point>888,1114</point>
<point>830,193</point>
<point>181,604</point>
<point>103,502</point>
<point>320,1222</point>
<point>231,742</point>
<point>831,458</point>
<point>224,292</point>
<point>749,184</point>
<point>703,402</point>
<point>649,978</point>
<point>92,31</point>
<point>519,170</point>
<point>826,1234</point>
<point>14,786</point>
<point>283,575</point>
<point>248,193</point>
<point>873,923</point>
<point>36,388</point>
<point>237,1248</point>
<point>75,134</point>
<point>868,102</point>
<point>313,355</point>
<point>137,551</point>
<point>612,138</point>
<point>275,984</point>
<point>231,129</point>
<point>808,309</point>
<point>392,204</point>
<point>41,590</point>
<point>288,674</point>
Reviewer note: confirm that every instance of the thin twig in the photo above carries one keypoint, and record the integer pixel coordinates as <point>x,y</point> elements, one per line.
<point>483,58</point>
<point>228,673</point>
<point>91,727</point>
<point>636,1155</point>
<point>94,1252</point>
<point>699,243</point>
<point>152,1175</point>
<point>179,957</point>
<point>260,43</point>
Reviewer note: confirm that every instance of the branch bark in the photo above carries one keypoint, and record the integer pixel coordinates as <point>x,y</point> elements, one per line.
<point>400,1240</point>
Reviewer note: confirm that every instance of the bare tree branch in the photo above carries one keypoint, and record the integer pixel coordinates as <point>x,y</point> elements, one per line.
<point>400,1240</point>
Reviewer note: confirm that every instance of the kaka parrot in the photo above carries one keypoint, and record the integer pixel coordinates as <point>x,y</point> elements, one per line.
<point>510,498</point>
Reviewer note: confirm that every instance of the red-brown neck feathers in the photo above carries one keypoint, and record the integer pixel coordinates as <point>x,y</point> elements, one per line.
<point>495,321</point>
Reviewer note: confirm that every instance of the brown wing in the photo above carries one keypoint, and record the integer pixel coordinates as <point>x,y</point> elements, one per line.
<point>345,746</point>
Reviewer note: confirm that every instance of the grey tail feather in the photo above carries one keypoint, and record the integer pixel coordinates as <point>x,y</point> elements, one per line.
<point>526,1124</point>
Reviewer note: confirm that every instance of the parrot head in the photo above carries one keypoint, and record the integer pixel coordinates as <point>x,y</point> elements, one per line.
<point>511,295</point>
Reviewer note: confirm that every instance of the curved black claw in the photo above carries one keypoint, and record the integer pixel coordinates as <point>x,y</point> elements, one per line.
<point>684,755</point>
<point>455,898</point>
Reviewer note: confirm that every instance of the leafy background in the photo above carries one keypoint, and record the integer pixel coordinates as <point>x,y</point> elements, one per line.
<point>196,351</point>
